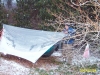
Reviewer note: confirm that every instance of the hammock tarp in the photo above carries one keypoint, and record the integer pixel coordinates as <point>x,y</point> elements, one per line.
<point>27,43</point>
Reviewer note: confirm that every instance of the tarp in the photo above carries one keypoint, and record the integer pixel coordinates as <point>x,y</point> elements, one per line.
<point>27,43</point>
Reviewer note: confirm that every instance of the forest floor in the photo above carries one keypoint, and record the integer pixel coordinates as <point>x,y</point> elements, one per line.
<point>53,65</point>
<point>12,65</point>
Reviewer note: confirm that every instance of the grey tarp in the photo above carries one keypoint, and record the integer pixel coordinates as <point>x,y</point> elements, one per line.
<point>27,43</point>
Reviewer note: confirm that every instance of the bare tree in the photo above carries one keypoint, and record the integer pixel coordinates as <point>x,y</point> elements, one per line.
<point>9,4</point>
<point>86,23</point>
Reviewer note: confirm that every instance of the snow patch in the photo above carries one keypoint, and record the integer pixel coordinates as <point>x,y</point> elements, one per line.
<point>57,53</point>
<point>79,60</point>
<point>12,68</point>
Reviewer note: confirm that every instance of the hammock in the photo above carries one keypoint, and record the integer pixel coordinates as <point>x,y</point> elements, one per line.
<point>27,43</point>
